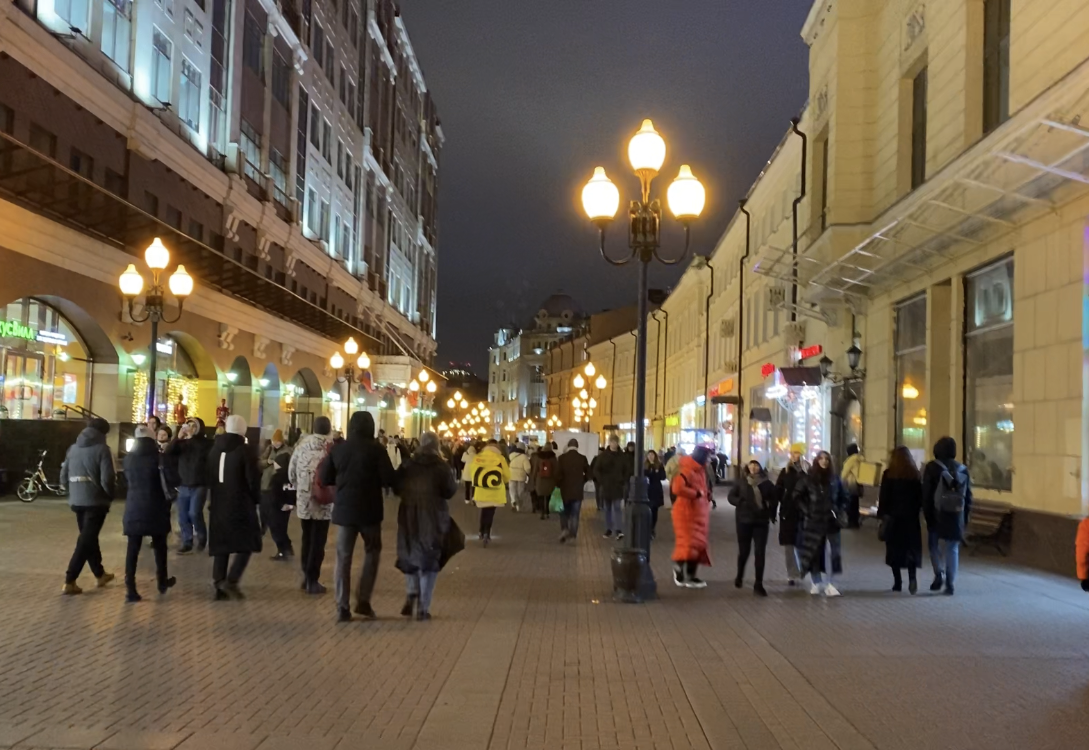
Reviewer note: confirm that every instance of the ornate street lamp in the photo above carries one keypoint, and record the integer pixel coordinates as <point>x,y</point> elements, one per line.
<point>584,404</point>
<point>632,577</point>
<point>131,283</point>
<point>337,362</point>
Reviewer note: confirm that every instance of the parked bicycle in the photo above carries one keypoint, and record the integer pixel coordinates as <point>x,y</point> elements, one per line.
<point>36,483</point>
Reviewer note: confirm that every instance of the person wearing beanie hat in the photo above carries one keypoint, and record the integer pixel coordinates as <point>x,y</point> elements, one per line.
<point>147,511</point>
<point>233,528</point>
<point>88,474</point>
<point>275,516</point>
<point>789,516</point>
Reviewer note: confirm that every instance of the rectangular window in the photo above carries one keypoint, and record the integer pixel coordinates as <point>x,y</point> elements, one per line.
<point>194,31</point>
<point>115,183</point>
<point>160,66</point>
<point>351,98</point>
<point>988,376</point>
<point>167,6</point>
<point>253,43</point>
<point>330,63</point>
<point>344,13</point>
<point>196,230</point>
<point>337,225</point>
<point>81,164</point>
<point>340,158</point>
<point>42,141</point>
<point>117,31</point>
<point>317,45</point>
<point>327,141</point>
<point>315,127</point>
<point>277,168</point>
<point>251,153</point>
<point>151,203</point>
<point>281,79</point>
<point>353,26</point>
<point>343,92</point>
<point>910,360</point>
<point>996,63</point>
<point>348,168</point>
<point>313,216</point>
<point>325,221</point>
<point>918,129</point>
<point>173,216</point>
<point>74,13</point>
<point>189,95</point>
<point>824,183</point>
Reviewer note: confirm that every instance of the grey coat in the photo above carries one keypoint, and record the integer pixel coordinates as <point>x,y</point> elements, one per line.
<point>88,472</point>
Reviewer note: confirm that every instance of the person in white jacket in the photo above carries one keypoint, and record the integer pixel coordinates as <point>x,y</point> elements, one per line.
<point>467,472</point>
<point>519,475</point>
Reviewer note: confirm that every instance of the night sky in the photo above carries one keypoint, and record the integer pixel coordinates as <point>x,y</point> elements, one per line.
<point>533,95</point>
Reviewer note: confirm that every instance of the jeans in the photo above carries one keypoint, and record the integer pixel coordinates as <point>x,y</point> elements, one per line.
<point>517,495</point>
<point>87,551</point>
<point>935,553</point>
<point>191,515</point>
<point>614,514</point>
<point>372,545</point>
<point>793,570</point>
<point>276,519</point>
<point>314,535</point>
<point>422,585</point>
<point>949,558</point>
<point>132,555</point>
<point>569,519</point>
<point>487,517</point>
<point>220,572</point>
<point>747,533</point>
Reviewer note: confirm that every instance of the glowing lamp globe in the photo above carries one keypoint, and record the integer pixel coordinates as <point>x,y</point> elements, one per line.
<point>350,346</point>
<point>647,149</point>
<point>449,403</point>
<point>181,283</point>
<point>431,387</point>
<point>686,195</point>
<point>600,383</point>
<point>423,376</point>
<point>132,283</point>
<point>578,382</point>
<point>583,394</point>
<point>464,404</point>
<point>336,361</point>
<point>600,197</point>
<point>414,386</point>
<point>590,370</point>
<point>157,256</point>
<point>364,361</point>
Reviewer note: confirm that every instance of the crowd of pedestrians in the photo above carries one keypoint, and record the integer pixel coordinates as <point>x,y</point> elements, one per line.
<point>324,479</point>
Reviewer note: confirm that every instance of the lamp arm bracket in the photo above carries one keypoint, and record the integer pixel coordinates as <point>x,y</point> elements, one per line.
<point>131,310</point>
<point>604,255</point>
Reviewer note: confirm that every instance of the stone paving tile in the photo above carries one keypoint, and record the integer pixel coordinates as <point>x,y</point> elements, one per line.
<point>527,651</point>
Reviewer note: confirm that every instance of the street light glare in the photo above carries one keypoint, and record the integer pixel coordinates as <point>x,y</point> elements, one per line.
<point>600,383</point>
<point>181,283</point>
<point>647,149</point>
<point>578,382</point>
<point>423,376</point>
<point>156,255</point>
<point>336,361</point>
<point>464,404</point>
<point>590,370</point>
<point>449,403</point>
<point>364,361</point>
<point>600,197</point>
<point>414,386</point>
<point>350,346</point>
<point>686,195</point>
<point>457,396</point>
<point>132,283</point>
<point>431,387</point>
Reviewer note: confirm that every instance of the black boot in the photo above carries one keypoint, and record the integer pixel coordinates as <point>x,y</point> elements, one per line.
<point>410,605</point>
<point>937,585</point>
<point>167,583</point>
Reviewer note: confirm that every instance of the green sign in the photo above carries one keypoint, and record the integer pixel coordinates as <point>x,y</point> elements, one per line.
<point>13,329</point>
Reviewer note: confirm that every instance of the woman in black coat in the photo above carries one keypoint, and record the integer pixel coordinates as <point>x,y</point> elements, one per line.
<point>789,520</point>
<point>899,506</point>
<point>755,498</point>
<point>425,483</point>
<point>234,493</point>
<point>655,473</point>
<point>147,510</point>
<point>822,504</point>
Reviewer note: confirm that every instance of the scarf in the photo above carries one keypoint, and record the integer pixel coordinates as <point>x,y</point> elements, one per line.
<point>754,482</point>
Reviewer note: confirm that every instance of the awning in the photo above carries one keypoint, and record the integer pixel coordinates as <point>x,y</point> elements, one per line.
<point>726,400</point>
<point>42,185</point>
<point>797,376</point>
<point>760,414</point>
<point>1034,163</point>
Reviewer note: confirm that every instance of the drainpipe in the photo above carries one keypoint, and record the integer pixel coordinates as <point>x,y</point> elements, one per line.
<point>707,344</point>
<point>612,382</point>
<point>794,210</point>
<point>740,328</point>
<point>657,356</point>
<point>634,372</point>
<point>665,366</point>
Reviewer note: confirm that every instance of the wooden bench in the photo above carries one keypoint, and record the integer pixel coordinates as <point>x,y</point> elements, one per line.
<point>989,524</point>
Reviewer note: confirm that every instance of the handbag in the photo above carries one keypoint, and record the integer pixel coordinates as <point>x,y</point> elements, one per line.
<point>322,494</point>
<point>555,503</point>
<point>453,542</point>
<point>884,528</point>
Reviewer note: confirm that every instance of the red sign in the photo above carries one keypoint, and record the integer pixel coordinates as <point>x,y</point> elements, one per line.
<point>810,351</point>
<point>767,369</point>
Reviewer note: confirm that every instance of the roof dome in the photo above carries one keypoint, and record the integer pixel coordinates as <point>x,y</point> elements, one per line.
<point>560,306</point>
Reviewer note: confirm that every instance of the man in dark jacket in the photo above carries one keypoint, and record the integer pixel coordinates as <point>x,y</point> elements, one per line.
<point>190,448</point>
<point>572,473</point>
<point>612,471</point>
<point>425,484</point>
<point>147,510</point>
<point>359,467</point>
<point>945,528</point>
<point>88,473</point>
<point>235,490</point>
<point>789,516</point>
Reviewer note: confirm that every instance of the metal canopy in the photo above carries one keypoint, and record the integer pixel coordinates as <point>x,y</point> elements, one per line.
<point>40,184</point>
<point>1035,162</point>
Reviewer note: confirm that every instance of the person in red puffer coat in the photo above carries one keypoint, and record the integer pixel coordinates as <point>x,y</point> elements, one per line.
<point>691,518</point>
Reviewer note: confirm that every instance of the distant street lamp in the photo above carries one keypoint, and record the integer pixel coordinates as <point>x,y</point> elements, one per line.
<point>632,577</point>
<point>584,403</point>
<point>349,376</point>
<point>131,283</point>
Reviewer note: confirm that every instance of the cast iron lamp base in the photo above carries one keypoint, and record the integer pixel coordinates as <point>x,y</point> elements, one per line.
<point>633,580</point>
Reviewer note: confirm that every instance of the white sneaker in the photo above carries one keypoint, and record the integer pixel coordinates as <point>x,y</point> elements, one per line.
<point>831,591</point>
<point>815,589</point>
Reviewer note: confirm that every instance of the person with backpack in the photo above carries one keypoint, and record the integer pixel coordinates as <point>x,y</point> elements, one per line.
<point>573,471</point>
<point>542,477</point>
<point>519,476</point>
<point>313,501</point>
<point>947,504</point>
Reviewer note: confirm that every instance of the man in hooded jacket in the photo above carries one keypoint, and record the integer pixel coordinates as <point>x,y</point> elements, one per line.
<point>360,468</point>
<point>945,530</point>
<point>88,473</point>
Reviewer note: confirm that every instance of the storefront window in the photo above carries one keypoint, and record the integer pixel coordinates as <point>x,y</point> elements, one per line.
<point>788,415</point>
<point>45,367</point>
<point>910,356</point>
<point>988,376</point>
<point>176,384</point>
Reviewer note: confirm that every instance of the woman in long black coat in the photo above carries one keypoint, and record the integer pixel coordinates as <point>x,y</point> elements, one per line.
<point>789,518</point>
<point>655,474</point>
<point>822,503</point>
<point>425,484</point>
<point>234,494</point>
<point>900,504</point>
<point>147,510</point>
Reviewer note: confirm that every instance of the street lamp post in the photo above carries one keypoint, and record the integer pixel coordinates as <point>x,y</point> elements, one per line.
<point>423,385</point>
<point>633,580</point>
<point>337,362</point>
<point>131,283</point>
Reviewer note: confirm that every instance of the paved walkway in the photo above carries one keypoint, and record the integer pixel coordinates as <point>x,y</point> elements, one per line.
<point>527,651</point>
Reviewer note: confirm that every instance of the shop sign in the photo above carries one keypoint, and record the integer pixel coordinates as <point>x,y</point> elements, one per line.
<point>810,351</point>
<point>13,329</point>
<point>767,370</point>
<point>673,420</point>
<point>722,387</point>
<point>164,346</point>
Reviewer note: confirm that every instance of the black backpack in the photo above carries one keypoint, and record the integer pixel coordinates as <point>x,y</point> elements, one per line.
<point>952,490</point>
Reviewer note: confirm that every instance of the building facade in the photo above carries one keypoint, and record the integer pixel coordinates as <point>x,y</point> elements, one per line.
<point>924,220</point>
<point>285,153</point>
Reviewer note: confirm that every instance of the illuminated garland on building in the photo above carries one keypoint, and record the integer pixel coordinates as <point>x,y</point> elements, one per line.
<point>139,397</point>
<point>177,390</point>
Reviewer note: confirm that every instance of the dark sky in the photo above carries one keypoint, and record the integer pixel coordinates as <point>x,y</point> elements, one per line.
<point>534,93</point>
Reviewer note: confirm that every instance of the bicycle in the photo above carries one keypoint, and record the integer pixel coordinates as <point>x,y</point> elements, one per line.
<point>36,483</point>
